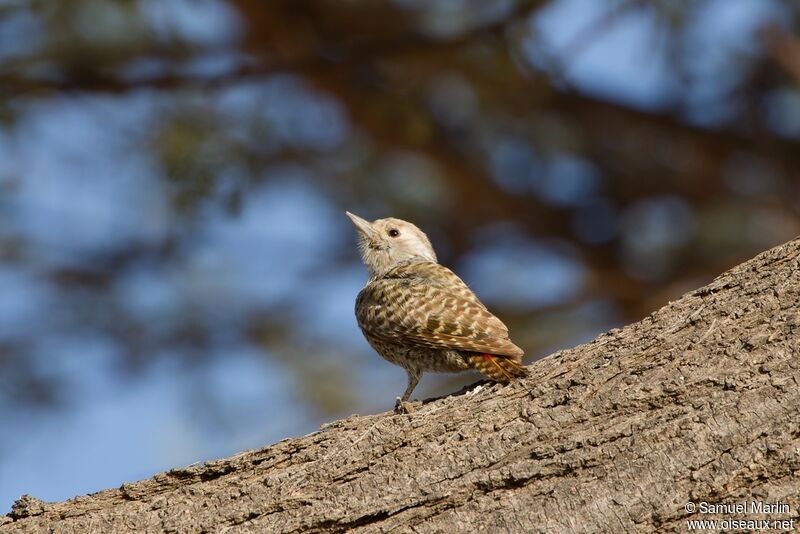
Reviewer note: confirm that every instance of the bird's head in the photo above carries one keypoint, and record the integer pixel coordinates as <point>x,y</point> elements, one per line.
<point>385,243</point>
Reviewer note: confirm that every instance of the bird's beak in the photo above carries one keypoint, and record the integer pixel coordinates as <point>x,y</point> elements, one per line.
<point>364,226</point>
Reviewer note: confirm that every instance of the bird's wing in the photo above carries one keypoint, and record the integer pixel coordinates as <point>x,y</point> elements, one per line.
<point>426,304</point>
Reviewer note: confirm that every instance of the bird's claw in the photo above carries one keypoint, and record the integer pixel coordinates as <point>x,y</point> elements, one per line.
<point>402,407</point>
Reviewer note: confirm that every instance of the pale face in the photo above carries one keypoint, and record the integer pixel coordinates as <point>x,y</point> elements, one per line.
<point>385,243</point>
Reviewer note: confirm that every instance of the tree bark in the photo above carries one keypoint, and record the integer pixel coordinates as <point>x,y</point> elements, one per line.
<point>698,402</point>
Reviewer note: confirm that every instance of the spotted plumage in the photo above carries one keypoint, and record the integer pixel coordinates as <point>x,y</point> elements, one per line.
<point>420,315</point>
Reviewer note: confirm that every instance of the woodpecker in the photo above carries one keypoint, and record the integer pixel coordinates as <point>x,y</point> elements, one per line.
<point>420,315</point>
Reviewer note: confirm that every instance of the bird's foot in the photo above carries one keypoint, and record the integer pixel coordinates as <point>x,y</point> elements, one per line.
<point>402,407</point>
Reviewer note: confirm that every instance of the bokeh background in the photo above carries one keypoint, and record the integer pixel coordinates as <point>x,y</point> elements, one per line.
<point>177,276</point>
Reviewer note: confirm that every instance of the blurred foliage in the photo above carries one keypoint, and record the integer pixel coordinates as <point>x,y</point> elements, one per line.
<point>570,206</point>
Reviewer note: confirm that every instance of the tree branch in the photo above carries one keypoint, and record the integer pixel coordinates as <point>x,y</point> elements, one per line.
<point>697,402</point>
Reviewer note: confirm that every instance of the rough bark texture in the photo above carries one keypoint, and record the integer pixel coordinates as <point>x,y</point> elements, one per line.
<point>700,401</point>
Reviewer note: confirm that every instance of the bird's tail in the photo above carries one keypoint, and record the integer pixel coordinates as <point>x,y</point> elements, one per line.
<point>498,368</point>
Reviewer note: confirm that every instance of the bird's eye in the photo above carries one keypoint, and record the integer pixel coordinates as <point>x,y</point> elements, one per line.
<point>394,232</point>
